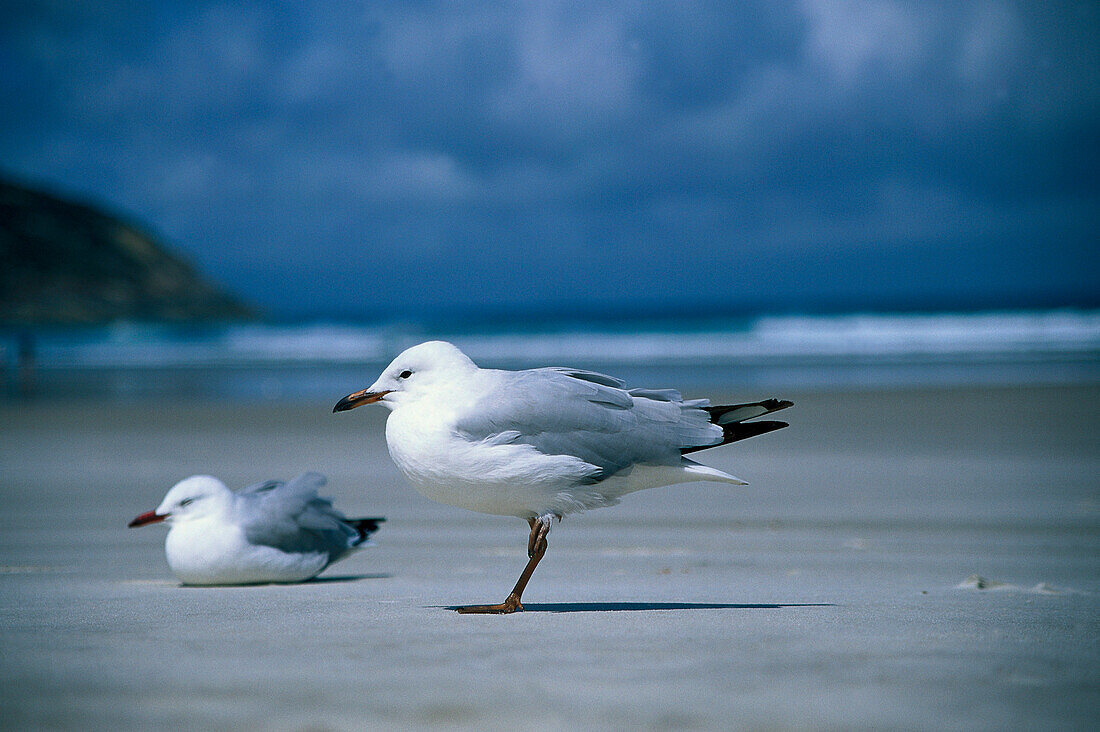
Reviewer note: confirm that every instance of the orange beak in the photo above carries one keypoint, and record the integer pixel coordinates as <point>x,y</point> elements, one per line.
<point>358,399</point>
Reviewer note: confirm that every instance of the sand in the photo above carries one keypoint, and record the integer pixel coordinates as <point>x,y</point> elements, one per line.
<point>917,559</point>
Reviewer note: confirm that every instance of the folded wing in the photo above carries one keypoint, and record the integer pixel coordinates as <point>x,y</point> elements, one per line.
<point>292,518</point>
<point>591,417</point>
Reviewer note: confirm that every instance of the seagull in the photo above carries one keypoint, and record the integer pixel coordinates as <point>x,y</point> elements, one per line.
<point>268,532</point>
<point>542,443</point>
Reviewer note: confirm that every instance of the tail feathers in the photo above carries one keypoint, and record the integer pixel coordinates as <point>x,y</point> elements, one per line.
<point>731,419</point>
<point>365,527</point>
<point>705,472</point>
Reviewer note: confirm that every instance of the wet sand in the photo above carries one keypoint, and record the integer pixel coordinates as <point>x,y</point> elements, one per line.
<point>835,591</point>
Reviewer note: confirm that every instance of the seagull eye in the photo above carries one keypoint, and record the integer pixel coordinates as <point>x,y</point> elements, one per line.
<point>187,501</point>
<point>405,374</point>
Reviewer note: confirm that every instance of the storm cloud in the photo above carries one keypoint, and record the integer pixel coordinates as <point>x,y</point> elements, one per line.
<point>328,158</point>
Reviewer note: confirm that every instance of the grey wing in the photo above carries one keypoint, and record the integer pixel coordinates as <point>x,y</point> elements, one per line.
<point>292,518</point>
<point>589,416</point>
<point>261,487</point>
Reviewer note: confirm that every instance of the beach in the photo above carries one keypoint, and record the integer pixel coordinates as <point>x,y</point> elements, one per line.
<point>923,558</point>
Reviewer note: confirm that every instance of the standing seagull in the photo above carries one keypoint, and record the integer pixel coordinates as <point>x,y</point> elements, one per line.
<point>268,532</point>
<point>542,443</point>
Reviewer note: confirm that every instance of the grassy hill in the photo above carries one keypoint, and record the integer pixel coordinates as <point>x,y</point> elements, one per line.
<point>64,262</point>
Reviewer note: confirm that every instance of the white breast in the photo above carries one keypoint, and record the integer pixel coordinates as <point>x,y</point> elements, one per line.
<point>207,551</point>
<point>503,479</point>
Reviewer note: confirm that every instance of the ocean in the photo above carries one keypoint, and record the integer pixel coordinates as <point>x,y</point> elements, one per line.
<point>318,361</point>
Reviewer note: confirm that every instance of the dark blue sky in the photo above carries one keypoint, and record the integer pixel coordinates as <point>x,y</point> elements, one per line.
<point>407,159</point>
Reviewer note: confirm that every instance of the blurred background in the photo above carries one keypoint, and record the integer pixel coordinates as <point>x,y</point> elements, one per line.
<point>270,200</point>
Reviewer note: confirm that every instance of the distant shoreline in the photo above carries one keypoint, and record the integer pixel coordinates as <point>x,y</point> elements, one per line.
<point>855,351</point>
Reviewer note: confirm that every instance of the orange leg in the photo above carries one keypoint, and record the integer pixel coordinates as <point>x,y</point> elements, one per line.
<point>536,548</point>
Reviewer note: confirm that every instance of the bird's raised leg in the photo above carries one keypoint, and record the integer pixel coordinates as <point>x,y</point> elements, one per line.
<point>536,548</point>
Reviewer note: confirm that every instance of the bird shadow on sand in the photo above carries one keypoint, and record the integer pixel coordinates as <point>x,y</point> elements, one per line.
<point>347,578</point>
<point>312,581</point>
<point>603,607</point>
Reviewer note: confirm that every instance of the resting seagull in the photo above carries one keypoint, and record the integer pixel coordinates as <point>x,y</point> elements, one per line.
<point>542,443</point>
<point>267,532</point>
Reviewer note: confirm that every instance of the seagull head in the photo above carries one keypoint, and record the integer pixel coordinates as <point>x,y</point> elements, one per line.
<point>194,497</point>
<point>417,371</point>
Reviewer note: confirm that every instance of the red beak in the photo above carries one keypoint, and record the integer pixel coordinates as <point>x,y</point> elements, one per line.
<point>149,517</point>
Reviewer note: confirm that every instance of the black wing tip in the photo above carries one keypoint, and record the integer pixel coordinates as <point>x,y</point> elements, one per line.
<point>768,405</point>
<point>366,526</point>
<point>745,430</point>
<point>774,405</point>
<point>737,431</point>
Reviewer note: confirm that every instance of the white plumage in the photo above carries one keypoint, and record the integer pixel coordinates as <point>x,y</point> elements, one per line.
<point>542,443</point>
<point>268,532</point>
<point>538,442</point>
